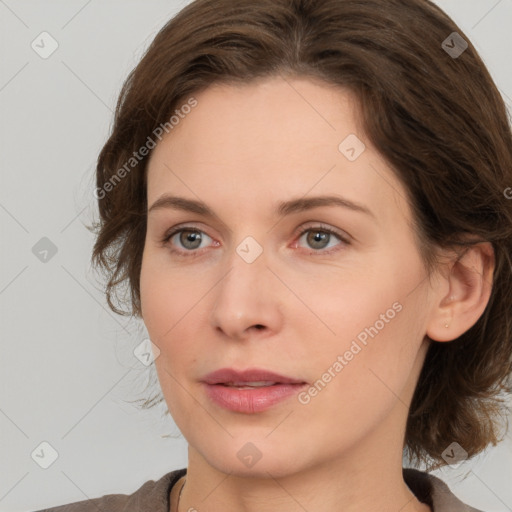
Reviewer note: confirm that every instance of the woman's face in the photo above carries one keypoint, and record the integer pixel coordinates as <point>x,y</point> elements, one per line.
<point>262,283</point>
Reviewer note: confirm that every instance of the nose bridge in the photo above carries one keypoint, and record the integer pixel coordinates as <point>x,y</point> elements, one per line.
<point>244,298</point>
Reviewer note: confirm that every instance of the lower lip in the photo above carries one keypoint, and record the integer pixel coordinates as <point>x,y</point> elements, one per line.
<point>251,400</point>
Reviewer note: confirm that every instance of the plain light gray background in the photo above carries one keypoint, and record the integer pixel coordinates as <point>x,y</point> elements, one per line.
<point>67,368</point>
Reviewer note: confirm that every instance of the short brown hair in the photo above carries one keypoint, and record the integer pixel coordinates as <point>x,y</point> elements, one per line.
<point>437,118</point>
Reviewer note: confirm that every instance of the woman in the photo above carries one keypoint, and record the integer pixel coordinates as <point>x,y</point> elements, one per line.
<point>308,200</point>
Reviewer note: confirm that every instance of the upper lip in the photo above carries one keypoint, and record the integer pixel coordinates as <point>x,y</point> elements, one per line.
<point>230,375</point>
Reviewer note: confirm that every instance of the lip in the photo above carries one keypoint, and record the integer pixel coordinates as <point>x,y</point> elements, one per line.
<point>249,401</point>
<point>226,375</point>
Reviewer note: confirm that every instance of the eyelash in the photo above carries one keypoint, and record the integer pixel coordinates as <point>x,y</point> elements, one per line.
<point>194,253</point>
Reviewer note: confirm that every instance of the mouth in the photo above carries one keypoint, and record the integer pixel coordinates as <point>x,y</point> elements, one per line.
<point>249,391</point>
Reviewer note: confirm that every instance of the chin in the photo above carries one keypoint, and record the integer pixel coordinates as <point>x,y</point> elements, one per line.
<point>253,459</point>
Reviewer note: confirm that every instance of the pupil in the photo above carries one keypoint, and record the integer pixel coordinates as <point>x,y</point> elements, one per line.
<point>192,236</point>
<point>318,236</point>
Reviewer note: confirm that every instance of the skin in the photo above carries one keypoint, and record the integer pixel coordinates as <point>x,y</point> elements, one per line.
<point>242,150</point>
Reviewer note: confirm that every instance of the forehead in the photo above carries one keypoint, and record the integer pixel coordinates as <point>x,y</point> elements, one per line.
<point>275,138</point>
<point>268,113</point>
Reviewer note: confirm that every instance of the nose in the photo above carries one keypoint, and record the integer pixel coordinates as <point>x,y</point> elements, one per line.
<point>247,300</point>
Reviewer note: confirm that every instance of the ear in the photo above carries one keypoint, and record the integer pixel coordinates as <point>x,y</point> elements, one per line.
<point>468,280</point>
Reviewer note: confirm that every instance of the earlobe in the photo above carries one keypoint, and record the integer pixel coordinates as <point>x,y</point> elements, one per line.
<point>470,286</point>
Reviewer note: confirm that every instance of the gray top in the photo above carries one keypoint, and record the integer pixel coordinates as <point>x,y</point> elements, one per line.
<point>153,496</point>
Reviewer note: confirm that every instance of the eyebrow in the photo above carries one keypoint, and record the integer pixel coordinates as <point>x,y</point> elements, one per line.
<point>283,208</point>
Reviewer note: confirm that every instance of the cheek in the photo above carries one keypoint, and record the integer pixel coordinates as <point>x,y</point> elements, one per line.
<point>367,338</point>
<point>165,296</point>
<point>170,305</point>
<point>363,380</point>
<point>164,312</point>
<point>153,299</point>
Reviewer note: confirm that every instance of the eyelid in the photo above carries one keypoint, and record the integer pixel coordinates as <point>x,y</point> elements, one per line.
<point>320,226</point>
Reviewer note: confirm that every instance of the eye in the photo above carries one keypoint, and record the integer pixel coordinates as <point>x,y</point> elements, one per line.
<point>318,238</point>
<point>187,239</point>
